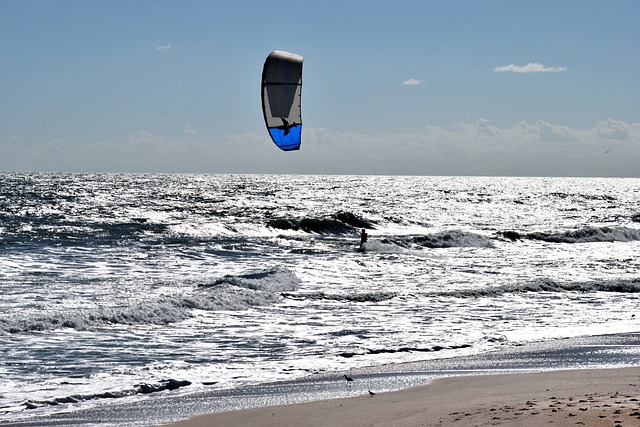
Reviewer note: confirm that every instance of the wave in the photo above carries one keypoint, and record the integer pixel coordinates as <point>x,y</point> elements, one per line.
<point>340,223</point>
<point>452,239</point>
<point>55,230</point>
<point>626,286</point>
<point>227,293</point>
<point>358,297</point>
<point>444,239</point>
<point>353,220</point>
<point>383,246</point>
<point>579,196</point>
<point>244,291</point>
<point>582,235</point>
<point>144,388</point>
<point>159,312</point>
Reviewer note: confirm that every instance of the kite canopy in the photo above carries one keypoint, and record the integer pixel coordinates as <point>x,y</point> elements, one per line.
<point>281,98</point>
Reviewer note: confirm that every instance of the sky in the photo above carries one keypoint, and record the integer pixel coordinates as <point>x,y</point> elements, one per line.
<point>424,87</point>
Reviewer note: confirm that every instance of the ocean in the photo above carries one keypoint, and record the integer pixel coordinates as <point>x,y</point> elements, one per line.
<point>122,287</point>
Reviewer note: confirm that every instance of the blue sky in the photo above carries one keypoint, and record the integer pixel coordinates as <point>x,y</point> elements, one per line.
<point>389,87</point>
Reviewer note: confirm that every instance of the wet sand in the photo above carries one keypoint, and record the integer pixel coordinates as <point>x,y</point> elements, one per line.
<point>589,397</point>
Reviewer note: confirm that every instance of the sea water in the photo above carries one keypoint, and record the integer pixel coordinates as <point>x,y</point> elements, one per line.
<point>116,286</point>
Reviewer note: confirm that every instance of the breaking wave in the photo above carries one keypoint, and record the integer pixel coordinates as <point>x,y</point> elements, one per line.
<point>245,291</point>
<point>358,298</point>
<point>339,223</point>
<point>159,312</point>
<point>625,286</point>
<point>144,388</point>
<point>227,293</point>
<point>452,239</point>
<point>582,235</point>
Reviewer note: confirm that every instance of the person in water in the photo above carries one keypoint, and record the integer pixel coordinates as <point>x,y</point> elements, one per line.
<point>363,237</point>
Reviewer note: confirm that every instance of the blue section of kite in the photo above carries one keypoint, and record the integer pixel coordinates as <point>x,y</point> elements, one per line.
<point>287,138</point>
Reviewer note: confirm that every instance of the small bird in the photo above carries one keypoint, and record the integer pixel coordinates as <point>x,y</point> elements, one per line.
<point>371,393</point>
<point>348,378</point>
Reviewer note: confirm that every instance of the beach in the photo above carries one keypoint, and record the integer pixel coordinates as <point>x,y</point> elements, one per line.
<point>591,381</point>
<point>591,397</point>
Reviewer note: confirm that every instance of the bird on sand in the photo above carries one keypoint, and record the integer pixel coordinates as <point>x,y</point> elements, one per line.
<point>371,393</point>
<point>348,378</point>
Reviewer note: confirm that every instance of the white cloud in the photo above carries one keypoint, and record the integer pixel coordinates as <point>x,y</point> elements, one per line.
<point>189,129</point>
<point>532,67</point>
<point>473,148</point>
<point>167,46</point>
<point>480,148</point>
<point>412,82</point>
<point>59,147</point>
<point>613,129</point>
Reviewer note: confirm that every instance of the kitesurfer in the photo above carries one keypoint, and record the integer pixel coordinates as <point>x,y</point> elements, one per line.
<point>363,238</point>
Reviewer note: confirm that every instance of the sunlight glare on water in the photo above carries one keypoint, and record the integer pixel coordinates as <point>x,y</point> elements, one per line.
<point>110,282</point>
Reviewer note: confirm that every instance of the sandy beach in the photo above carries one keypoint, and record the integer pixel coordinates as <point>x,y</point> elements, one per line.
<point>589,397</point>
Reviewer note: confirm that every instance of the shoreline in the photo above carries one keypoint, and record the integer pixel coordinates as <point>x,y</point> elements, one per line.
<point>512,386</point>
<point>586,357</point>
<point>592,397</point>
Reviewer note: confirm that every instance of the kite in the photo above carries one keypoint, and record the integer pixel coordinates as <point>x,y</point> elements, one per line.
<point>281,98</point>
